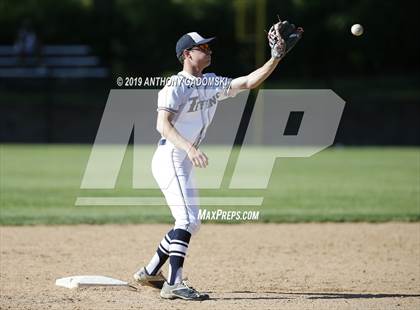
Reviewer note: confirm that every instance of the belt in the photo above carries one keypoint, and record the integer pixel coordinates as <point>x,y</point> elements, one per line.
<point>162,142</point>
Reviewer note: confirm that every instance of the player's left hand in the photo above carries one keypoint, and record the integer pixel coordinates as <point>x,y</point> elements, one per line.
<point>282,37</point>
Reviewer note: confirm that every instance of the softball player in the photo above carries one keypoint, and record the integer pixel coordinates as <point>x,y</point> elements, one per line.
<point>186,106</point>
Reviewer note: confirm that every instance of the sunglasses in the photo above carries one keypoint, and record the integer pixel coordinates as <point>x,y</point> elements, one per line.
<point>202,47</point>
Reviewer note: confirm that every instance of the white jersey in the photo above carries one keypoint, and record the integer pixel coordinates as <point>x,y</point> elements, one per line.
<point>193,100</point>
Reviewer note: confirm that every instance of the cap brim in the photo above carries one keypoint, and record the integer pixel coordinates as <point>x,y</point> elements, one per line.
<point>205,41</point>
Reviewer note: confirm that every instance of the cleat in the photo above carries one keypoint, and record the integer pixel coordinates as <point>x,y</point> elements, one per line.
<point>143,278</point>
<point>182,291</point>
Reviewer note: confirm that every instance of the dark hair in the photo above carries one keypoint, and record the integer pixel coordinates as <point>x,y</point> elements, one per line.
<point>181,58</point>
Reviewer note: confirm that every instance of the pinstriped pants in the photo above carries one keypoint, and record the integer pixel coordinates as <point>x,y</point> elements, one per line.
<point>173,171</point>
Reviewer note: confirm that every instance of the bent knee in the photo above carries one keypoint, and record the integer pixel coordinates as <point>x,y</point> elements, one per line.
<point>194,227</point>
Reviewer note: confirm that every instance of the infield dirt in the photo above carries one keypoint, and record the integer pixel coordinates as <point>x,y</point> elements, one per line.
<point>244,266</point>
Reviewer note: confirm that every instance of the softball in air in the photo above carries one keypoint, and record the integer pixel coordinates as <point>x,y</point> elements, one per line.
<point>357,30</point>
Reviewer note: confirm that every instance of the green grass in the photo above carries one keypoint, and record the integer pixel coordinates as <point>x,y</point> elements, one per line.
<point>40,183</point>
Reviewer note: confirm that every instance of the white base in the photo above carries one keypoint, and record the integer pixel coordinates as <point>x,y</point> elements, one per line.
<point>83,281</point>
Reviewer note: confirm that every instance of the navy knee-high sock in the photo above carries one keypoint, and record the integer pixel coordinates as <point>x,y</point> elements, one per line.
<point>177,251</point>
<point>161,255</point>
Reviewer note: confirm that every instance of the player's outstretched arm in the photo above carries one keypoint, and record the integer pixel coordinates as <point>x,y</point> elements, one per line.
<point>282,37</point>
<point>255,78</point>
<point>166,129</point>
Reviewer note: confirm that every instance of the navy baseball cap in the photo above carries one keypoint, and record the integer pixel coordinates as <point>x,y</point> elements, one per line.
<point>189,40</point>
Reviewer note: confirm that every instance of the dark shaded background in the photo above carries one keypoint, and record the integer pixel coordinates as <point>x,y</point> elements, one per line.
<point>377,74</point>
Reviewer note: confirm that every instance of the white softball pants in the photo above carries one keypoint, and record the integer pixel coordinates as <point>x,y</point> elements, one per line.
<point>173,171</point>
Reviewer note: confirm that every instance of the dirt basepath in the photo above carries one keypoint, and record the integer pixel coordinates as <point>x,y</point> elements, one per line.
<point>258,266</point>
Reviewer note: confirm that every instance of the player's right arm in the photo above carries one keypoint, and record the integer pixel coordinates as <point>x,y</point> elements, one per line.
<point>166,129</point>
